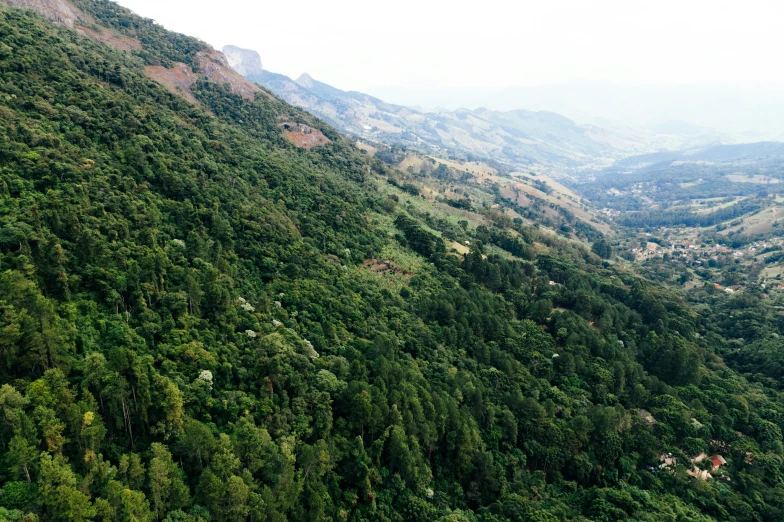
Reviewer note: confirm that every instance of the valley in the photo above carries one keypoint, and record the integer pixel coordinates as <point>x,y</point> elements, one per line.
<point>575,181</point>
<point>685,227</point>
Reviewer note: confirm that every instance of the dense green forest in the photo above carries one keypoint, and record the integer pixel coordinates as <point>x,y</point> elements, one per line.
<point>751,324</point>
<point>188,331</point>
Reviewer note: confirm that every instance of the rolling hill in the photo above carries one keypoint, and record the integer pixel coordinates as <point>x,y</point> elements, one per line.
<point>665,179</point>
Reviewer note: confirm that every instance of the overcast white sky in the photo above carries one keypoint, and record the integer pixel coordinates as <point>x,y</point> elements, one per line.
<point>362,45</point>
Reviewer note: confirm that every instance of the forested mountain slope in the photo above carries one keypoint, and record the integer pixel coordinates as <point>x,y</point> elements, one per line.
<point>200,320</point>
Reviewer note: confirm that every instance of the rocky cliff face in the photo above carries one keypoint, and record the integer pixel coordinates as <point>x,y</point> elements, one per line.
<point>212,64</point>
<point>244,61</point>
<point>57,11</point>
<point>217,67</point>
<point>62,12</point>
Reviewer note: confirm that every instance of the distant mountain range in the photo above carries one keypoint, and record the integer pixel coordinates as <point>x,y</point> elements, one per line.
<point>517,138</point>
<point>746,113</point>
<point>760,154</point>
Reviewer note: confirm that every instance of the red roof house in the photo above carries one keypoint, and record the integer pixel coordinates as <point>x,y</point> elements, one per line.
<point>718,461</point>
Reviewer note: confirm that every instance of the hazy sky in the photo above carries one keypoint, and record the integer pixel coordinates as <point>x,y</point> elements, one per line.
<point>362,45</point>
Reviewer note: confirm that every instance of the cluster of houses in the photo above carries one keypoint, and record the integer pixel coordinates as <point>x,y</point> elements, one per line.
<point>696,252</point>
<point>637,189</point>
<point>694,468</point>
<point>701,254</point>
<point>699,472</point>
<point>727,289</point>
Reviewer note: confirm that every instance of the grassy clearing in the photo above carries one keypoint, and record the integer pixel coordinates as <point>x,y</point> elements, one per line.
<point>711,205</point>
<point>758,223</point>
<point>772,272</point>
<point>370,149</point>
<point>758,179</point>
<point>460,249</point>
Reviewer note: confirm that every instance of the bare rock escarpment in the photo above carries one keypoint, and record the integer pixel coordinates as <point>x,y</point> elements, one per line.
<point>57,11</point>
<point>244,61</point>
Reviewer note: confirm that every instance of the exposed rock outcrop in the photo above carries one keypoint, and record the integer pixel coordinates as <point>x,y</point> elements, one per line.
<point>111,38</point>
<point>57,11</point>
<point>178,79</point>
<point>302,135</point>
<point>214,65</point>
<point>243,61</point>
<point>64,13</point>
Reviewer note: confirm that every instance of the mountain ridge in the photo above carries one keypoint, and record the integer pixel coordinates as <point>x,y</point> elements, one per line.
<point>518,138</point>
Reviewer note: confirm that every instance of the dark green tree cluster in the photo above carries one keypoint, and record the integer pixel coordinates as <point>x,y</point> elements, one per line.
<point>602,248</point>
<point>420,240</point>
<point>687,217</point>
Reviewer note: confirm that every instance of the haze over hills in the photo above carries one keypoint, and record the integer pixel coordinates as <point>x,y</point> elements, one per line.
<point>759,153</point>
<point>651,182</point>
<point>745,113</point>
<point>516,138</point>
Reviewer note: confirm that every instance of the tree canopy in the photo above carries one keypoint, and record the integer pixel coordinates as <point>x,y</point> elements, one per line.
<point>194,326</point>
